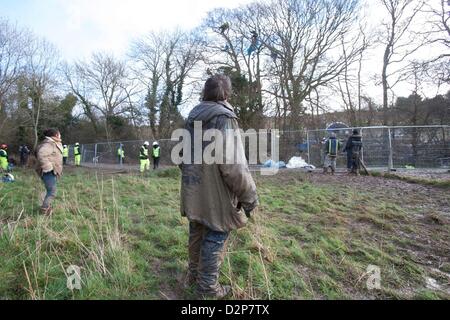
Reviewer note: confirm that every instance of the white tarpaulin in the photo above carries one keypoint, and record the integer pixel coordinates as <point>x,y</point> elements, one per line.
<point>298,163</point>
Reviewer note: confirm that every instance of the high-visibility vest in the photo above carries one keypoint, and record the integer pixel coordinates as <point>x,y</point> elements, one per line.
<point>76,151</point>
<point>143,154</point>
<point>121,153</point>
<point>3,159</point>
<point>156,152</point>
<point>332,147</point>
<point>66,152</point>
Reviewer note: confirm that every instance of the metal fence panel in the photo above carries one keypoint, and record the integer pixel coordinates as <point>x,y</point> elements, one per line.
<point>383,147</point>
<point>391,147</point>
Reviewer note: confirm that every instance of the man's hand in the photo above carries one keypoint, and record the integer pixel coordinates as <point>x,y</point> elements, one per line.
<point>248,207</point>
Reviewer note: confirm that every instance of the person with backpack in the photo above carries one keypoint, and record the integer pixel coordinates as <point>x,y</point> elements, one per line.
<point>332,147</point>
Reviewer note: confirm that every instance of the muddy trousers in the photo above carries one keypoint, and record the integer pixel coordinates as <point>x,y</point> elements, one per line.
<point>206,254</point>
<point>355,163</point>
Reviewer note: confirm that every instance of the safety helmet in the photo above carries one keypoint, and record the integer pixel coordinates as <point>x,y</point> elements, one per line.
<point>146,143</point>
<point>77,144</point>
<point>3,146</point>
<point>65,146</point>
<point>155,143</point>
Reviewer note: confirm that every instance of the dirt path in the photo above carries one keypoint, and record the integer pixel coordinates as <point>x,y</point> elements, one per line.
<point>414,197</point>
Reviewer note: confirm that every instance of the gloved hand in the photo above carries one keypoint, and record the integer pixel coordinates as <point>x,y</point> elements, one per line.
<point>248,208</point>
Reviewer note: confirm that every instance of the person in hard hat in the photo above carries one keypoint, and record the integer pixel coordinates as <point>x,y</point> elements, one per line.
<point>50,165</point>
<point>120,154</point>
<point>65,154</point>
<point>332,147</point>
<point>156,154</point>
<point>4,166</point>
<point>77,154</point>
<point>143,157</point>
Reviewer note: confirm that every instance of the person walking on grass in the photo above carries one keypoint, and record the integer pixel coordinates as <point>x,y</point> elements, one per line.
<point>50,165</point>
<point>212,195</point>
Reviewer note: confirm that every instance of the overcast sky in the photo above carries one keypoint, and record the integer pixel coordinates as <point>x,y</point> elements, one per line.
<point>80,27</point>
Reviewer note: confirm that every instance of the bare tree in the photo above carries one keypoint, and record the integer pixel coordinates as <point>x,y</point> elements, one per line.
<point>39,78</point>
<point>303,37</point>
<point>399,43</point>
<point>352,78</point>
<point>164,64</point>
<point>235,48</point>
<point>439,38</point>
<point>147,53</point>
<point>102,85</point>
<point>13,44</point>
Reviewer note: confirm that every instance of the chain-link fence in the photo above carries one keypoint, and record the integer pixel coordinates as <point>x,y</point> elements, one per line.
<point>390,147</point>
<point>383,147</point>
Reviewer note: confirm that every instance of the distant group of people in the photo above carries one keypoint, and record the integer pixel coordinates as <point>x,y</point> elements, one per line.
<point>353,149</point>
<point>6,162</point>
<point>144,155</point>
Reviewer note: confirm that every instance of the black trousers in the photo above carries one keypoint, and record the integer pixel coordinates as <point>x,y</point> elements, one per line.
<point>155,163</point>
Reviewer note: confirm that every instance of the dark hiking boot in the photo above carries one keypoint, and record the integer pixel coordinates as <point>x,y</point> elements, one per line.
<point>190,280</point>
<point>220,293</point>
<point>47,211</point>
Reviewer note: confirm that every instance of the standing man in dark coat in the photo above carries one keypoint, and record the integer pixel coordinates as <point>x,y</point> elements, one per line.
<point>214,197</point>
<point>353,149</point>
<point>24,154</point>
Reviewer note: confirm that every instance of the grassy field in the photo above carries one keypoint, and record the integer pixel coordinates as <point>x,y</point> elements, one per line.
<point>309,239</point>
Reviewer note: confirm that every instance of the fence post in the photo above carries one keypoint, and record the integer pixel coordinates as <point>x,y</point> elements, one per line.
<point>390,161</point>
<point>121,158</point>
<point>95,155</point>
<point>307,143</point>
<point>362,149</point>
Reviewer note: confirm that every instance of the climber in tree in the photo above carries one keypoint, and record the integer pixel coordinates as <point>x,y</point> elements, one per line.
<point>254,44</point>
<point>223,28</point>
